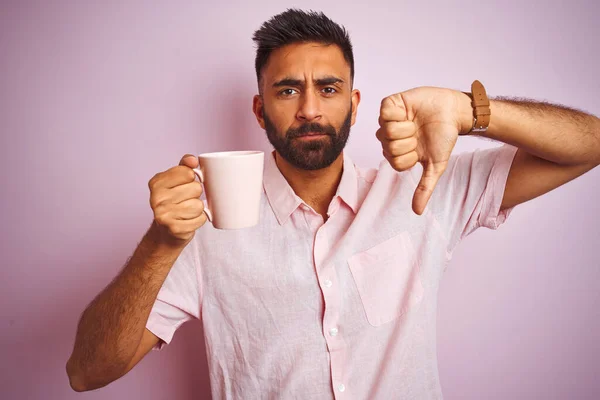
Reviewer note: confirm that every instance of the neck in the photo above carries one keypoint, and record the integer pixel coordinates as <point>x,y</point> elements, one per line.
<point>316,188</point>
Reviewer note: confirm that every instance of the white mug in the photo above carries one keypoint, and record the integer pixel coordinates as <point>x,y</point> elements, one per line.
<point>233,183</point>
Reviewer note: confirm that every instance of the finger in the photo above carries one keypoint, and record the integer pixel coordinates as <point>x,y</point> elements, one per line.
<point>174,176</point>
<point>383,122</point>
<point>176,195</point>
<point>181,193</point>
<point>189,225</point>
<point>396,148</point>
<point>188,209</point>
<point>396,130</point>
<point>429,179</point>
<point>393,108</point>
<point>403,162</point>
<point>189,160</point>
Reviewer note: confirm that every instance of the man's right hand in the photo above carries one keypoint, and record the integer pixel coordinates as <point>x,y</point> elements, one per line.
<point>175,201</point>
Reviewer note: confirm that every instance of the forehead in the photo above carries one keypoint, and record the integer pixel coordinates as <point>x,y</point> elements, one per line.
<point>306,61</point>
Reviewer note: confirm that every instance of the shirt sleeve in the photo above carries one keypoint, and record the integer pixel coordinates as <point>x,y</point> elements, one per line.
<point>179,298</point>
<point>469,194</point>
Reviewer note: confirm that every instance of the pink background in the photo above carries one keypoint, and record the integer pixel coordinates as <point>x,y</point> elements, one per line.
<point>96,98</point>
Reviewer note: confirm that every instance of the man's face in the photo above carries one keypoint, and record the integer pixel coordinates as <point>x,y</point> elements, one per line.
<point>307,104</point>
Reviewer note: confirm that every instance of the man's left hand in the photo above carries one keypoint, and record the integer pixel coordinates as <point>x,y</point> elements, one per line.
<point>421,125</point>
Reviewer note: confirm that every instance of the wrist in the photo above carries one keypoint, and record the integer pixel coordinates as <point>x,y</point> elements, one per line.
<point>158,237</point>
<point>465,113</point>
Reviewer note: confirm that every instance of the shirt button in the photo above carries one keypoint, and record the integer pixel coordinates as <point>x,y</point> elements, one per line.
<point>341,387</point>
<point>333,331</point>
<point>327,283</point>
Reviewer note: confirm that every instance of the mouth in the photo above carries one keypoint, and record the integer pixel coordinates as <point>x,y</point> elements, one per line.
<point>311,135</point>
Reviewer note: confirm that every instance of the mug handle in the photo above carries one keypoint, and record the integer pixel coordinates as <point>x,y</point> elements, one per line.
<point>200,175</point>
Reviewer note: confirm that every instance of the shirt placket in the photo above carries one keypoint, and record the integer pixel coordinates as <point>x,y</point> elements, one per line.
<point>331,290</point>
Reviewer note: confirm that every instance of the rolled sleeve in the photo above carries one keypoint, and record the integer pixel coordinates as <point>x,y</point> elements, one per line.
<point>164,320</point>
<point>469,194</point>
<point>492,217</point>
<point>179,298</point>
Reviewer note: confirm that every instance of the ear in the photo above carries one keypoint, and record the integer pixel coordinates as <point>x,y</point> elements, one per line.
<point>257,109</point>
<point>355,101</point>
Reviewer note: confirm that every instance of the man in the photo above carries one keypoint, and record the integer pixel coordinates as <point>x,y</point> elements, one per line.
<point>333,294</point>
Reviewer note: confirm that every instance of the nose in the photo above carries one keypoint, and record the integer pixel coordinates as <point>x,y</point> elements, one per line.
<point>309,107</point>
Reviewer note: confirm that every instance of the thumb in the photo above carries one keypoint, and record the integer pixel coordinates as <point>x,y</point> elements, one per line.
<point>189,161</point>
<point>429,179</point>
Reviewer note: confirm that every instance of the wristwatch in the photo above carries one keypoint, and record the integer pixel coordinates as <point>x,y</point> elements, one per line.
<point>481,108</point>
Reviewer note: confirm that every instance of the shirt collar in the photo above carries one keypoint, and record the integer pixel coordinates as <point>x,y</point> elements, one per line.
<point>284,200</point>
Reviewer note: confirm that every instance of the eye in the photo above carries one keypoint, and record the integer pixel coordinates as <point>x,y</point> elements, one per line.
<point>329,90</point>
<point>287,92</point>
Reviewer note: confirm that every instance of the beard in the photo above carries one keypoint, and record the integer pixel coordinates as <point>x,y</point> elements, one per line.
<point>312,154</point>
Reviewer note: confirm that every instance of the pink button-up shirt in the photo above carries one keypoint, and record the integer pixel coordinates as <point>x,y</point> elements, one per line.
<point>296,308</point>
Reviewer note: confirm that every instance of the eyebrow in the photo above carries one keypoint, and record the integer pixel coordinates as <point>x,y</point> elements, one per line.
<point>327,80</point>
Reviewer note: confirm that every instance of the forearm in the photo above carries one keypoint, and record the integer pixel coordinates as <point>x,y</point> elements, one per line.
<point>555,133</point>
<point>111,327</point>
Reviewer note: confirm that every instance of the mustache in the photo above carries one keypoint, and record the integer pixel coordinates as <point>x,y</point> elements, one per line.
<point>306,128</point>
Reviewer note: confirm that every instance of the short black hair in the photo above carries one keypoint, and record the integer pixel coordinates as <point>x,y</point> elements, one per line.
<point>297,26</point>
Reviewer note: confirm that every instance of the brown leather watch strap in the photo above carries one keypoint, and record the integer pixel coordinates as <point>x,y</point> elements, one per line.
<point>481,108</point>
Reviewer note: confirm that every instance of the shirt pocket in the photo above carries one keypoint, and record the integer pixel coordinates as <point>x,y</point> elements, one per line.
<point>387,279</point>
